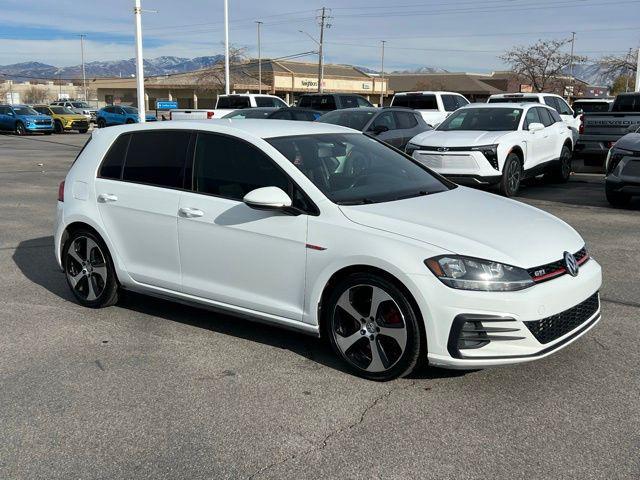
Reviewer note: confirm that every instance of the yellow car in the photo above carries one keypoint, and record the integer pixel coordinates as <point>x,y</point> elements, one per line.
<point>63,118</point>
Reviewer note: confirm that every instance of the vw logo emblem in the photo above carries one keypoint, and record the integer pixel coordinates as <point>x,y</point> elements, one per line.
<point>571,263</point>
<point>443,149</point>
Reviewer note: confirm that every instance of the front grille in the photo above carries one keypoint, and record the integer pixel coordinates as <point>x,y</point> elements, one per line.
<point>428,148</point>
<point>550,328</point>
<point>80,124</point>
<point>555,269</point>
<point>632,168</point>
<point>43,122</point>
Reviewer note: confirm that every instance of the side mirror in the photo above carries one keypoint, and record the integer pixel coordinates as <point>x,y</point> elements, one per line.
<point>535,127</point>
<point>577,113</point>
<point>267,198</point>
<point>11,114</point>
<point>378,129</point>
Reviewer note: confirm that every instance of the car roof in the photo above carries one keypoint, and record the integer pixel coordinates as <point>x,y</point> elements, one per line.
<point>523,95</point>
<point>524,105</point>
<point>260,128</point>
<point>589,100</point>
<point>428,92</point>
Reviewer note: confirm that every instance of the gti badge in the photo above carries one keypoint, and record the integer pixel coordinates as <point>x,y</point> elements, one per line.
<point>571,263</point>
<point>443,149</point>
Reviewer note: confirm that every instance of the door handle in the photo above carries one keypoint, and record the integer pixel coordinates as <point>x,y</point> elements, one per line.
<point>189,212</point>
<point>107,197</point>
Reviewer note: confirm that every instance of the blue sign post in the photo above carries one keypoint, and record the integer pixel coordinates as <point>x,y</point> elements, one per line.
<point>166,104</point>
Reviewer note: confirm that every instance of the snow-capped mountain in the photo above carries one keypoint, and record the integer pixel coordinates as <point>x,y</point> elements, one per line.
<point>152,66</point>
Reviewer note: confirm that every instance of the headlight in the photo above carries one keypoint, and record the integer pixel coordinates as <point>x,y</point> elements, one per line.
<point>613,158</point>
<point>490,152</point>
<point>410,148</point>
<point>467,273</point>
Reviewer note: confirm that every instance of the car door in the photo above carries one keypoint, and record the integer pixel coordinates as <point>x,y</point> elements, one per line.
<point>231,253</point>
<point>137,190</point>
<point>535,154</point>
<point>547,145</point>
<point>408,126</point>
<point>4,118</point>
<point>393,135</point>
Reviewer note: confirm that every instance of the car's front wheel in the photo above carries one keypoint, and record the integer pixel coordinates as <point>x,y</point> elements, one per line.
<point>372,326</point>
<point>511,176</point>
<point>57,126</point>
<point>618,199</point>
<point>89,270</point>
<point>101,123</point>
<point>20,130</point>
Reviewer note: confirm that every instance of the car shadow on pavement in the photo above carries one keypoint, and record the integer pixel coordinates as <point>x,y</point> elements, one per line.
<point>35,260</point>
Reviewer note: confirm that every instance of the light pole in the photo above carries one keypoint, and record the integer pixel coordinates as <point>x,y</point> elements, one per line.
<point>573,41</point>
<point>84,77</point>
<point>137,13</point>
<point>226,47</point>
<point>638,73</point>
<point>382,75</point>
<point>259,23</point>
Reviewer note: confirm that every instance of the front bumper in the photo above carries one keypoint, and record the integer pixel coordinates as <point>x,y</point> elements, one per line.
<point>34,127</point>
<point>465,167</point>
<point>538,302</point>
<point>77,125</point>
<point>625,177</point>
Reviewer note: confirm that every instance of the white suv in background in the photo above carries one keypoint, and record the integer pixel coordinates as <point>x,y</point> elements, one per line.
<point>497,143</point>
<point>551,99</point>
<point>433,106</point>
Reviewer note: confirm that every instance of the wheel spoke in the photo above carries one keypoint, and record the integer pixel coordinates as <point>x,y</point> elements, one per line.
<point>90,246</point>
<point>377,364</point>
<point>74,254</point>
<point>378,296</point>
<point>398,334</point>
<point>101,271</point>
<point>345,304</point>
<point>346,342</point>
<point>91,289</point>
<point>75,279</point>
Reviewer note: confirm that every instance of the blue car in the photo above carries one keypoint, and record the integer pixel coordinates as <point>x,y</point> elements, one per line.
<point>23,119</point>
<point>117,115</point>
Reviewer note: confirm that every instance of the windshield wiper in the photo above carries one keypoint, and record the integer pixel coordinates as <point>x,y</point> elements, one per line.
<point>419,193</point>
<point>360,201</point>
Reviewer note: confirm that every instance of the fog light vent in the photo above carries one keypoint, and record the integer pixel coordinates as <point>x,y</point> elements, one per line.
<point>471,331</point>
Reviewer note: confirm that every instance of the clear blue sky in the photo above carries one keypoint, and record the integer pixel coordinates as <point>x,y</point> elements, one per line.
<point>458,35</point>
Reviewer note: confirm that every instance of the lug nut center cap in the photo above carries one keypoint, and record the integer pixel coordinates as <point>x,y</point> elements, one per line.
<point>371,327</point>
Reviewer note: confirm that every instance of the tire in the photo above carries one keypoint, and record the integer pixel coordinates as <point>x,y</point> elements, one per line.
<point>57,127</point>
<point>511,176</point>
<point>48,133</point>
<point>392,331</point>
<point>561,172</point>
<point>89,270</point>
<point>618,199</point>
<point>129,121</point>
<point>19,129</point>
<point>101,123</point>
<point>83,130</point>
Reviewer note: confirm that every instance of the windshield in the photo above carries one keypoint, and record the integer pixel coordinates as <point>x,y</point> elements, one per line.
<point>483,119</point>
<point>24,111</point>
<point>61,110</point>
<point>353,169</point>
<point>351,119</point>
<point>80,105</point>
<point>130,110</point>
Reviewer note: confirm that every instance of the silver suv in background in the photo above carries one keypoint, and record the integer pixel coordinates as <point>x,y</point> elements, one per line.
<point>79,106</point>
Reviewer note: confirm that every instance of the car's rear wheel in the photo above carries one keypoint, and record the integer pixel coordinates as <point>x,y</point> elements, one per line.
<point>618,199</point>
<point>57,126</point>
<point>101,123</point>
<point>20,130</point>
<point>372,327</point>
<point>89,270</point>
<point>83,130</point>
<point>561,172</point>
<point>511,176</point>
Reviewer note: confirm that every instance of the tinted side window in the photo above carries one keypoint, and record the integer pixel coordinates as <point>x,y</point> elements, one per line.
<point>114,160</point>
<point>362,102</point>
<point>418,102</point>
<point>348,101</point>
<point>532,117</point>
<point>450,103</point>
<point>626,103</point>
<point>563,108</point>
<point>157,158</point>
<point>268,102</point>
<point>545,117</point>
<point>4,110</point>
<point>406,120</point>
<point>552,102</point>
<point>461,100</point>
<point>231,168</point>
<point>555,116</point>
<point>385,119</point>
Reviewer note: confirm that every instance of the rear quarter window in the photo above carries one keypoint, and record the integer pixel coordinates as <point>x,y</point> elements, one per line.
<point>114,159</point>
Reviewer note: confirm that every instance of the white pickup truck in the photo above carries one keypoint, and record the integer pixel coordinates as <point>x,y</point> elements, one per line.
<point>227,104</point>
<point>433,106</point>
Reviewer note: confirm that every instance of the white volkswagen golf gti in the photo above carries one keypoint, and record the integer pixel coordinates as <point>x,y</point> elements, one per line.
<point>497,144</point>
<point>321,229</point>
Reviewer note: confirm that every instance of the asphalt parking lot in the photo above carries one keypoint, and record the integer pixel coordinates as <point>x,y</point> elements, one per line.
<point>153,389</point>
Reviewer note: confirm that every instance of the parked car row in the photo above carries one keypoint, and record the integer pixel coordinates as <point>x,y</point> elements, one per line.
<point>58,117</point>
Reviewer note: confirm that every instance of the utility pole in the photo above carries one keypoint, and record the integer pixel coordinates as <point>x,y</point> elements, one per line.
<point>84,77</point>
<point>628,73</point>
<point>226,47</point>
<point>259,23</point>
<point>573,41</point>
<point>382,75</point>
<point>323,17</point>
<point>137,13</point>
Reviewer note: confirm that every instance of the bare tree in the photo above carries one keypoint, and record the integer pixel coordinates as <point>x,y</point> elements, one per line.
<point>614,66</point>
<point>212,78</point>
<point>541,62</point>
<point>35,94</point>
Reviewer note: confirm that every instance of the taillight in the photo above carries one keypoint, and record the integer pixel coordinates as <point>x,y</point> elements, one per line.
<point>61,192</point>
<point>581,128</point>
<point>209,115</point>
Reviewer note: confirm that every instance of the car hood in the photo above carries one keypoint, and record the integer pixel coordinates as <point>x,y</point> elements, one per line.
<point>474,223</point>
<point>460,138</point>
<point>34,117</point>
<point>631,141</point>
<point>70,116</point>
